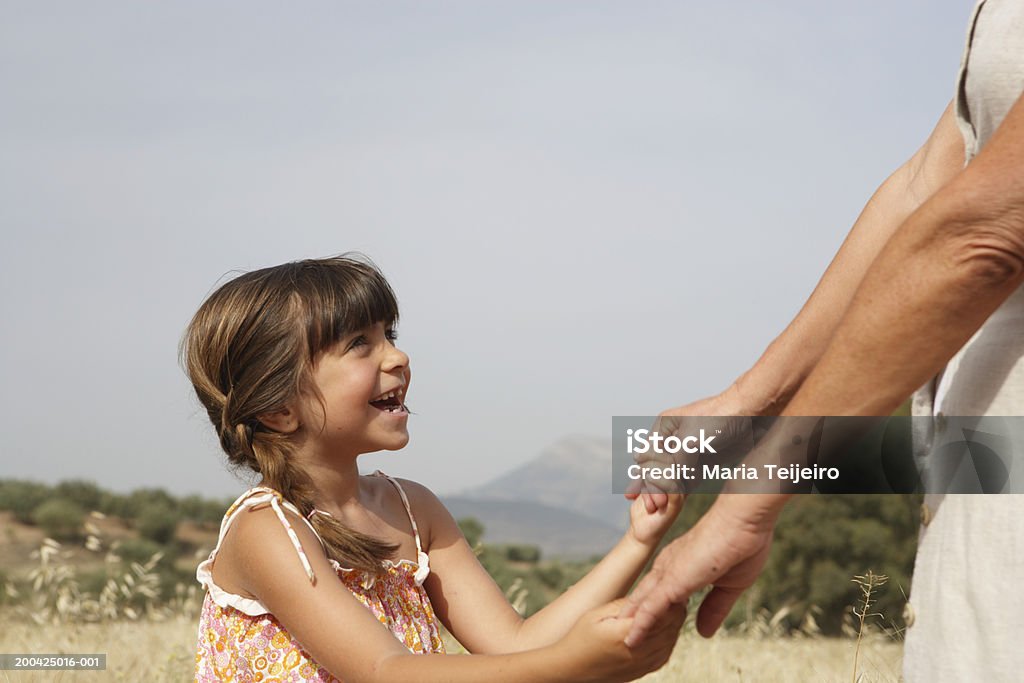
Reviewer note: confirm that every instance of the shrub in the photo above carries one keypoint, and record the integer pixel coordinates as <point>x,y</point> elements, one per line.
<point>133,504</point>
<point>203,510</point>
<point>60,519</point>
<point>157,522</point>
<point>92,582</point>
<point>822,541</point>
<point>137,550</point>
<point>22,498</point>
<point>114,504</point>
<point>552,575</point>
<point>472,529</point>
<point>84,493</point>
<point>522,553</point>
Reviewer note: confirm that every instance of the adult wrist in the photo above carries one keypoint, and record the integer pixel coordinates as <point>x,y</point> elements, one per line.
<point>752,394</point>
<point>755,511</point>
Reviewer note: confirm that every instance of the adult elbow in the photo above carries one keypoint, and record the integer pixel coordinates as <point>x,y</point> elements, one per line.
<point>994,267</point>
<point>984,231</point>
<point>990,259</point>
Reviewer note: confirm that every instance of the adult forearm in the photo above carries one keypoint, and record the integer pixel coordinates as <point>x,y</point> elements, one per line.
<point>950,266</point>
<point>779,373</point>
<point>768,387</point>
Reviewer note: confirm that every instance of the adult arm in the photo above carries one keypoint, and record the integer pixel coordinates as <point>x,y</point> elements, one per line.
<point>948,268</point>
<point>954,259</point>
<point>767,387</point>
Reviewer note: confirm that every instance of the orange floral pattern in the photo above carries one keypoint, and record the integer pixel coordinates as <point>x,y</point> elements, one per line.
<point>236,646</point>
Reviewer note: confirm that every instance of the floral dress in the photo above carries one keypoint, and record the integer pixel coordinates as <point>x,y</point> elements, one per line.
<point>239,640</point>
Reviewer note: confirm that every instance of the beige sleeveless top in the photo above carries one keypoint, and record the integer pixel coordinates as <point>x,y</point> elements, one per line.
<point>966,608</point>
<point>986,377</point>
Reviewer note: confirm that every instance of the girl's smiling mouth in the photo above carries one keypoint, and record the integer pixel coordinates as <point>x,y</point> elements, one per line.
<point>390,401</point>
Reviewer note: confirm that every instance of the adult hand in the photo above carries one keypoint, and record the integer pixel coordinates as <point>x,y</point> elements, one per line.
<point>729,402</point>
<point>725,416</point>
<point>726,549</point>
<point>720,416</point>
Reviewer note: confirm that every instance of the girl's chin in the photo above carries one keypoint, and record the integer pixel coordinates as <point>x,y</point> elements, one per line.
<point>396,441</point>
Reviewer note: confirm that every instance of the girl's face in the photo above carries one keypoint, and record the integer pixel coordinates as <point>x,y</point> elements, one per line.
<point>363,381</point>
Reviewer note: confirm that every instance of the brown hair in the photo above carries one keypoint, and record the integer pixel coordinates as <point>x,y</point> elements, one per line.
<point>249,350</point>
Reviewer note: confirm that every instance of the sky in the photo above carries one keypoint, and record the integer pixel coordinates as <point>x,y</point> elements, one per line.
<point>586,209</point>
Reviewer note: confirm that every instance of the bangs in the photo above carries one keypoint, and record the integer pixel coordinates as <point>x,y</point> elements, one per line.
<point>342,296</point>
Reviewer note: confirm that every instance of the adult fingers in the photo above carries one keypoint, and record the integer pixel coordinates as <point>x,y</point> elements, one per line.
<point>657,647</point>
<point>667,627</point>
<point>715,608</point>
<point>647,615</point>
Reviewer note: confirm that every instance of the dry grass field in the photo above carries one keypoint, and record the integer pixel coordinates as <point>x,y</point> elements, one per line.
<point>777,660</point>
<point>152,640</point>
<point>161,652</point>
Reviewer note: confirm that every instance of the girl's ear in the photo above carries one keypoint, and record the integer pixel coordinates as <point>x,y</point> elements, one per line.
<point>284,421</point>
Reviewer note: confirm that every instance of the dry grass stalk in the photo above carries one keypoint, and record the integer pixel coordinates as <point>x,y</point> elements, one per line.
<point>868,583</point>
<point>517,596</point>
<point>57,596</point>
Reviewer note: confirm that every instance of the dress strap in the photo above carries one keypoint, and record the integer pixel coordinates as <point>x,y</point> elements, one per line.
<point>262,496</point>
<point>422,559</point>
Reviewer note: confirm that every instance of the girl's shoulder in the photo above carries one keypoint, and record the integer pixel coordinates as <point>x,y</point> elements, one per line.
<point>425,509</point>
<point>261,507</point>
<point>260,523</point>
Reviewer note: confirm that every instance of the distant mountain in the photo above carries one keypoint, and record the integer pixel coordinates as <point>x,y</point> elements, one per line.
<point>573,473</point>
<point>557,531</point>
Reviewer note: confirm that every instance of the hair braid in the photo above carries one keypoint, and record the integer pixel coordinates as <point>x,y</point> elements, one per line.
<point>348,547</point>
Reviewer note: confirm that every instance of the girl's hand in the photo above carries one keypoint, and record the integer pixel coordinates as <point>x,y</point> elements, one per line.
<point>651,515</point>
<point>594,648</point>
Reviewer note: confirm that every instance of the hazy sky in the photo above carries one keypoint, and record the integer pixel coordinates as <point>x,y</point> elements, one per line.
<point>586,208</point>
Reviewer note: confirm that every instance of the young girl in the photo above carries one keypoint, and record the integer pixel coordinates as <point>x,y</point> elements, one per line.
<point>322,574</point>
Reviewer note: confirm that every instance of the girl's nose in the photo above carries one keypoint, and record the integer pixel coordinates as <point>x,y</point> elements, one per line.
<point>396,358</point>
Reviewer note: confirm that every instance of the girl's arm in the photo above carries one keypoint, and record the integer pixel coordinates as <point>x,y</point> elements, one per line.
<point>343,636</point>
<point>476,611</point>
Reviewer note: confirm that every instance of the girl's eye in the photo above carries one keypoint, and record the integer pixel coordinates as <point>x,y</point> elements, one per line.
<point>358,341</point>
<point>391,335</point>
